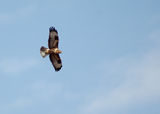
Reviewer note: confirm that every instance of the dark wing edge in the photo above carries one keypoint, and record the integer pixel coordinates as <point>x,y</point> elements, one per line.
<point>56,61</point>
<point>53,39</point>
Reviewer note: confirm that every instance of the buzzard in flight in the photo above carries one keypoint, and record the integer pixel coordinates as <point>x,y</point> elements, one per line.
<point>53,50</point>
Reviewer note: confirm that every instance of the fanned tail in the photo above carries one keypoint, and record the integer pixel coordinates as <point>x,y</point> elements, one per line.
<point>43,51</point>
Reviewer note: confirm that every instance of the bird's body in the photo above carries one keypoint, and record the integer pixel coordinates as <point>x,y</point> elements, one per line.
<point>50,51</point>
<point>53,50</point>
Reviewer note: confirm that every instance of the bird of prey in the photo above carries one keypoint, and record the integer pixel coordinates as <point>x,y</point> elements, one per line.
<point>53,50</point>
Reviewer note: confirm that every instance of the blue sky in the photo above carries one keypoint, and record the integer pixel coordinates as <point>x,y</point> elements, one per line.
<point>110,57</point>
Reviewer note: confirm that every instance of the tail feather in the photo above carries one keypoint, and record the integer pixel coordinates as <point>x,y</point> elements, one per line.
<point>43,51</point>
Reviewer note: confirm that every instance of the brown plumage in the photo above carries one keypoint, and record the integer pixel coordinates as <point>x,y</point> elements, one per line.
<point>53,50</point>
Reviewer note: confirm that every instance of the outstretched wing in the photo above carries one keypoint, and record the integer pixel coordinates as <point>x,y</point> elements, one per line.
<point>56,61</point>
<point>53,38</point>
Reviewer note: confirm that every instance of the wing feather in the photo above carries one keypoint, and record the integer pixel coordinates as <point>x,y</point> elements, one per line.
<point>53,38</point>
<point>56,61</point>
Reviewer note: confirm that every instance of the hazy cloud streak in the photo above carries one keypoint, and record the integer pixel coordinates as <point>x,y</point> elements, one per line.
<point>9,66</point>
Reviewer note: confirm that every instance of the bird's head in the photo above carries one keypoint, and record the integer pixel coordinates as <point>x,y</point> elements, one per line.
<point>57,51</point>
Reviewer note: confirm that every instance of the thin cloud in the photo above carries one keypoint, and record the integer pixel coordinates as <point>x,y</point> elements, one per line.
<point>15,66</point>
<point>141,85</point>
<point>40,91</point>
<point>4,17</point>
<point>21,13</point>
<point>17,104</point>
<point>21,103</point>
<point>44,90</point>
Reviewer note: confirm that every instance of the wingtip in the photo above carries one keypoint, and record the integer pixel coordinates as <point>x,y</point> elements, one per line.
<point>58,69</point>
<point>52,29</point>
